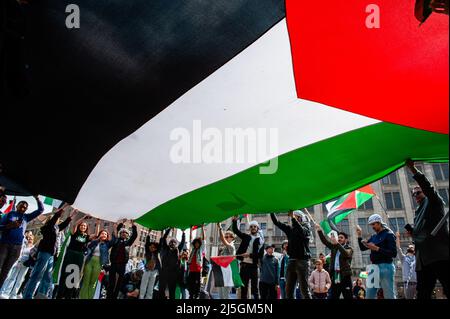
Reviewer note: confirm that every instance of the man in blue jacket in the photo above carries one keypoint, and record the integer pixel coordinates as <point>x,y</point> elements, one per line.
<point>383,251</point>
<point>13,226</point>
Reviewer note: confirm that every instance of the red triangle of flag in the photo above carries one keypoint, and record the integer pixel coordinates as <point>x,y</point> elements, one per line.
<point>10,207</point>
<point>223,261</point>
<point>384,71</point>
<point>349,202</point>
<point>367,189</point>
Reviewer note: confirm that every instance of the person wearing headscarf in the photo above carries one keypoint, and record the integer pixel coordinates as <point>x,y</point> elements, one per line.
<point>119,258</point>
<point>248,253</point>
<point>383,250</point>
<point>170,263</point>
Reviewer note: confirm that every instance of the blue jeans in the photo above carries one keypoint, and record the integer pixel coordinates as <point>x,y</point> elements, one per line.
<point>387,280</point>
<point>42,272</point>
<point>282,288</point>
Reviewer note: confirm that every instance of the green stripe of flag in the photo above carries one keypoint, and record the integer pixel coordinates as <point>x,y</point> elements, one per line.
<point>305,177</point>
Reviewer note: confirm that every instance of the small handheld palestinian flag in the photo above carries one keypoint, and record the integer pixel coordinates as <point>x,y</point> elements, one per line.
<point>225,272</point>
<point>98,287</point>
<point>11,206</point>
<point>51,201</point>
<point>363,275</point>
<point>59,261</point>
<point>344,206</point>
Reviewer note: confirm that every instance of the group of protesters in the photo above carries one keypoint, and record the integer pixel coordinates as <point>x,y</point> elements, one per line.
<point>79,265</point>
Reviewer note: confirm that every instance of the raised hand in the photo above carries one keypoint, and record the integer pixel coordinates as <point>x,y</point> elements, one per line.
<point>358,231</point>
<point>73,213</point>
<point>333,239</point>
<point>411,165</point>
<point>317,226</point>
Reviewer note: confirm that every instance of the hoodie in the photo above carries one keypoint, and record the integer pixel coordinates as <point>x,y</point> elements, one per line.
<point>15,236</point>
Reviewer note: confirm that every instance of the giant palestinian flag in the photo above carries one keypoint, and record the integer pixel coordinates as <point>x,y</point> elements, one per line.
<point>140,80</point>
<point>340,208</point>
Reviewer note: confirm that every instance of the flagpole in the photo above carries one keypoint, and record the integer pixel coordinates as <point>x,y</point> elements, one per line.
<point>309,215</point>
<point>440,224</point>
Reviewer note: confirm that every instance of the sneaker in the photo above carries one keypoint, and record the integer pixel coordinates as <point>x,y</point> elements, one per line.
<point>4,297</point>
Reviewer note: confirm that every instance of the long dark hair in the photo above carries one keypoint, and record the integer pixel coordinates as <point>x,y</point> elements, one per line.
<point>103,231</point>
<point>196,240</point>
<point>78,231</point>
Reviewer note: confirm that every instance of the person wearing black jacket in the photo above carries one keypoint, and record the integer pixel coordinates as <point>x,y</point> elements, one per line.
<point>119,258</point>
<point>298,235</point>
<point>340,269</point>
<point>249,253</point>
<point>47,250</point>
<point>170,252</point>
<point>432,252</point>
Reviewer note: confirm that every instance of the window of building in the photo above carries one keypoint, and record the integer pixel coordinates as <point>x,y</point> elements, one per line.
<point>397,224</point>
<point>263,227</point>
<point>393,200</point>
<point>365,258</point>
<point>313,251</point>
<point>390,179</point>
<point>344,226</point>
<point>443,192</point>
<point>440,171</point>
<point>278,232</point>
<point>362,222</point>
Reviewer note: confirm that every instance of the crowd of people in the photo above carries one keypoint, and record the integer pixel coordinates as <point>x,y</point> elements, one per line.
<point>69,263</point>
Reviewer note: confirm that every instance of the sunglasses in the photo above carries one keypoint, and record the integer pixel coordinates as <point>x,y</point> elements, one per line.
<point>229,237</point>
<point>253,227</point>
<point>416,193</point>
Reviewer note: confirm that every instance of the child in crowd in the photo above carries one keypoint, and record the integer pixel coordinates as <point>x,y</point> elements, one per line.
<point>320,281</point>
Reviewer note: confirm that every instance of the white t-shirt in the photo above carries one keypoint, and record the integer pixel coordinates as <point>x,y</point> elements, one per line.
<point>96,251</point>
<point>249,260</point>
